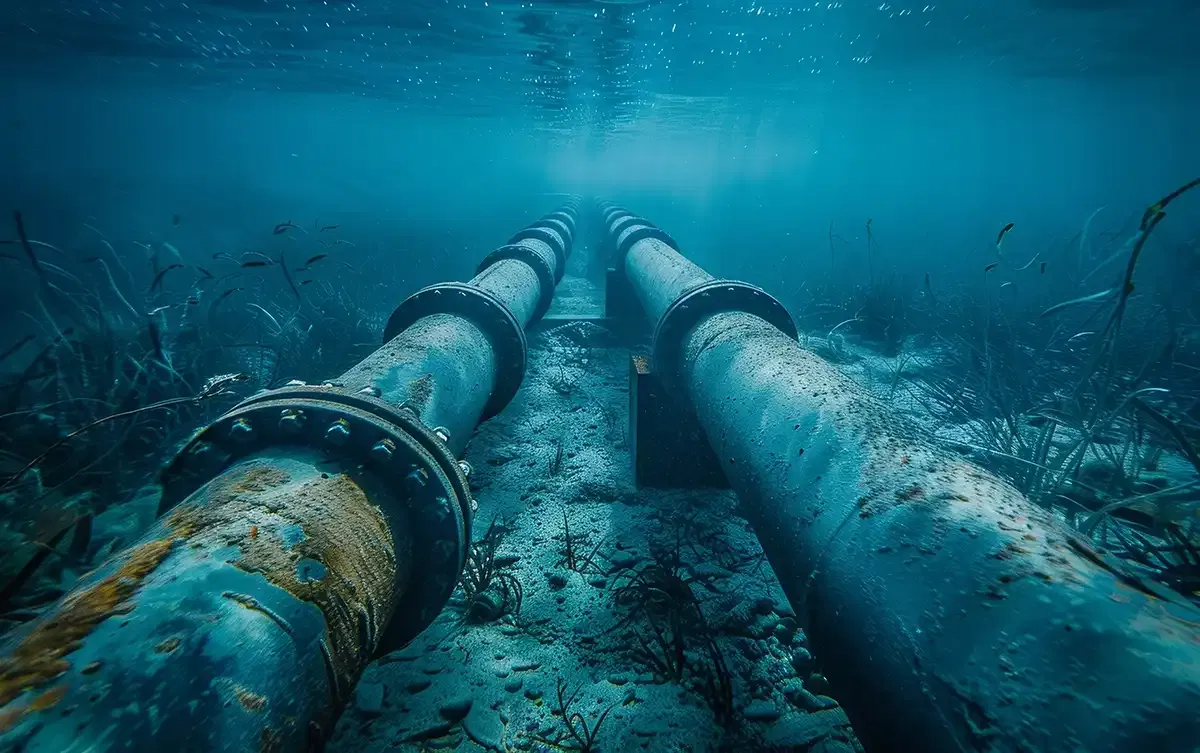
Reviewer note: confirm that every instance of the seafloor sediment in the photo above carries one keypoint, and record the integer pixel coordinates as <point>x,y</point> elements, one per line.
<point>553,479</point>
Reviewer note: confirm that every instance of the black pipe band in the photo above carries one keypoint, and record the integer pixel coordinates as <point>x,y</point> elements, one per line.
<point>621,224</point>
<point>635,233</point>
<point>565,217</point>
<point>563,229</point>
<point>487,312</point>
<point>535,261</point>
<point>614,213</point>
<point>704,300</point>
<point>550,238</point>
<point>388,442</point>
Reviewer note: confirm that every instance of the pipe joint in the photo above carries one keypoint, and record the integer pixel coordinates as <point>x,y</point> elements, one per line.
<point>554,235</point>
<point>536,262</point>
<point>389,443</point>
<point>634,229</point>
<point>486,311</point>
<point>702,301</point>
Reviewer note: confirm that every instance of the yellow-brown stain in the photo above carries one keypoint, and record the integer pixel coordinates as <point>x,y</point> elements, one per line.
<point>48,699</point>
<point>168,645</point>
<point>259,477</point>
<point>40,655</point>
<point>342,530</point>
<point>249,701</point>
<point>420,390</point>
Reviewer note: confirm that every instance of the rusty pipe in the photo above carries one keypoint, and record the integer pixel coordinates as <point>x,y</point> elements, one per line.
<point>309,529</point>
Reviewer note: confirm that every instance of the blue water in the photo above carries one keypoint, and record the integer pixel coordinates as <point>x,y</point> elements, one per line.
<point>857,159</point>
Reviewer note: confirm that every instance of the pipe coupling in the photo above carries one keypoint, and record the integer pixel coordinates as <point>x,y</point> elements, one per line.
<point>554,235</point>
<point>360,431</point>
<point>485,311</point>
<point>628,230</point>
<point>536,262</point>
<point>704,300</point>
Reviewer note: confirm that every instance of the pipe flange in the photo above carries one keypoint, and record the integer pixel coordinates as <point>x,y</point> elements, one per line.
<point>365,435</point>
<point>564,216</point>
<point>486,311</point>
<point>639,232</point>
<point>613,213</point>
<point>621,224</point>
<point>551,238</point>
<point>705,299</point>
<point>559,226</point>
<point>535,261</point>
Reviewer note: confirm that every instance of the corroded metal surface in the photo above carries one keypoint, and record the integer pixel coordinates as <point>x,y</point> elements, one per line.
<point>241,620</point>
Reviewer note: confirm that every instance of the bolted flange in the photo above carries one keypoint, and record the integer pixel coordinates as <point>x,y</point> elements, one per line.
<point>487,312</point>
<point>706,299</point>
<point>419,476</point>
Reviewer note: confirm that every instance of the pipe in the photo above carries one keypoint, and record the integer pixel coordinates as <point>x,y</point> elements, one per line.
<point>951,613</point>
<point>309,529</point>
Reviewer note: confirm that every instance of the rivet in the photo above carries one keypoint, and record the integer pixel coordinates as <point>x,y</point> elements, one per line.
<point>383,450</point>
<point>338,432</point>
<point>442,433</point>
<point>294,383</point>
<point>241,429</point>
<point>291,420</point>
<point>370,390</point>
<point>465,467</point>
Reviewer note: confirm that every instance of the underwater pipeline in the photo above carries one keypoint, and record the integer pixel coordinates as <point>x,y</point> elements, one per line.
<point>306,531</point>
<point>950,613</point>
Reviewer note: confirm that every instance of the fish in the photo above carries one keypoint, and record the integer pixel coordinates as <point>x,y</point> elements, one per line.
<point>1004,231</point>
<point>254,264</point>
<point>283,227</point>
<point>175,220</point>
<point>223,255</point>
<point>328,227</point>
<point>340,242</point>
<point>207,275</point>
<point>1043,268</point>
<point>315,259</point>
<point>305,282</point>
<point>991,266</point>
<point>159,277</point>
<point>225,295</point>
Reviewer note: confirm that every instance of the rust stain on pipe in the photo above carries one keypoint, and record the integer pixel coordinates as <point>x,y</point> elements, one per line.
<point>40,656</point>
<point>326,521</point>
